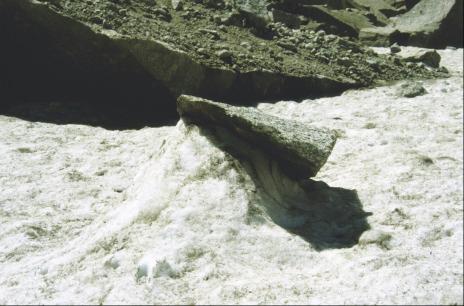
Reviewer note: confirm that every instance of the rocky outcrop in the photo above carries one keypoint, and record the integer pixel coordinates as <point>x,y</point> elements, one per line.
<point>300,149</point>
<point>431,24</point>
<point>140,56</point>
<point>430,58</point>
<point>159,62</point>
<point>183,75</point>
<point>423,23</point>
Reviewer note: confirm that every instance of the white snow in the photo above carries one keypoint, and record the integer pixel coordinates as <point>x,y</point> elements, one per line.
<point>162,215</point>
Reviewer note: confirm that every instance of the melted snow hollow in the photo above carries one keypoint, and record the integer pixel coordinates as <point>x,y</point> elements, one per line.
<point>165,215</point>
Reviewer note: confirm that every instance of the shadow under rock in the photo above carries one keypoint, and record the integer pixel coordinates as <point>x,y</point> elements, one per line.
<point>335,216</point>
<point>58,71</point>
<point>324,216</point>
<point>97,114</point>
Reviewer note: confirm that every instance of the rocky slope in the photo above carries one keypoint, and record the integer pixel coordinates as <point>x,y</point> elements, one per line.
<point>157,50</point>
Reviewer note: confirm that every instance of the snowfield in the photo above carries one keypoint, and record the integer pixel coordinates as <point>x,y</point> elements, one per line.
<point>165,216</point>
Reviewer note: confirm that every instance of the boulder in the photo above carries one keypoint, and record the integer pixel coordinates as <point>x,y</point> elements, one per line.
<point>420,23</point>
<point>300,149</point>
<point>429,57</point>
<point>432,25</point>
<point>379,36</point>
<point>380,8</point>
<point>347,23</point>
<point>410,90</point>
<point>289,19</point>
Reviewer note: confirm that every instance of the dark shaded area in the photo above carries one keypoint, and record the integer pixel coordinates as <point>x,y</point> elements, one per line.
<point>336,218</point>
<point>74,76</point>
<point>324,216</point>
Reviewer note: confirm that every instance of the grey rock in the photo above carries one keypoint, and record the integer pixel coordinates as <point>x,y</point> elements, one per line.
<point>428,57</point>
<point>345,23</point>
<point>411,90</point>
<point>345,61</point>
<point>225,55</point>
<point>258,23</point>
<point>214,3</point>
<point>395,48</point>
<point>300,149</point>
<point>381,9</point>
<point>289,19</point>
<point>379,36</point>
<point>177,4</point>
<point>378,237</point>
<point>432,24</point>
<point>232,18</point>
<point>287,45</point>
<point>212,33</point>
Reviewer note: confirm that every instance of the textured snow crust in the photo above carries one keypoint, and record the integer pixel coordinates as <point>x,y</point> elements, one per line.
<point>169,215</point>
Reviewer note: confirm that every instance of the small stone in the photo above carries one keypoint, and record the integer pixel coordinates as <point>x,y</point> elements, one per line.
<point>246,45</point>
<point>177,4</point>
<point>287,45</point>
<point>203,52</point>
<point>373,63</point>
<point>113,263</point>
<point>162,14</point>
<point>378,237</point>
<point>425,160</point>
<point>370,126</point>
<point>164,269</point>
<point>212,33</point>
<point>96,20</point>
<point>225,55</point>
<point>411,90</point>
<point>395,48</point>
<point>345,61</point>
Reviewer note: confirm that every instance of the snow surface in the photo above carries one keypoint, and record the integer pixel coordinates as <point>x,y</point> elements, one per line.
<point>163,215</point>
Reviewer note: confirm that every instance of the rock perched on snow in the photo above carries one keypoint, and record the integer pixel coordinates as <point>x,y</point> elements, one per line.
<point>300,149</point>
<point>428,57</point>
<point>411,90</point>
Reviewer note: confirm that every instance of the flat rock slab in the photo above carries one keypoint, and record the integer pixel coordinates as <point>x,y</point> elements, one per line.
<point>299,148</point>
